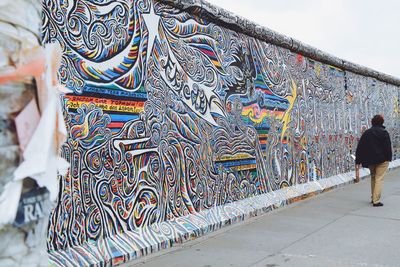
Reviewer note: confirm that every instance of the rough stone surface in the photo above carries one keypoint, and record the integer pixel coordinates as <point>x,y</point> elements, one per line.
<point>16,247</point>
<point>9,156</point>
<point>14,97</point>
<point>19,30</point>
<point>8,236</point>
<point>7,262</point>
<point>8,135</point>
<point>34,258</point>
<point>24,247</point>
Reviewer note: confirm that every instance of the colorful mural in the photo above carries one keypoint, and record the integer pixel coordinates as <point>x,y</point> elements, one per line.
<point>172,115</point>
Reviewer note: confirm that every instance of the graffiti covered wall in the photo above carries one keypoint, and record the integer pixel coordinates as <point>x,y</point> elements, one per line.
<point>173,119</point>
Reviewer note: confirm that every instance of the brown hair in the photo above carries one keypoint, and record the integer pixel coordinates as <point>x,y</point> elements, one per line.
<point>377,120</point>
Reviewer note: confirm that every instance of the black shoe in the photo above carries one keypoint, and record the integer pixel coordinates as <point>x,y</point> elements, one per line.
<point>379,204</point>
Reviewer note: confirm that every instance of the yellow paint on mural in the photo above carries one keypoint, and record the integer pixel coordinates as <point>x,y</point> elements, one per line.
<point>286,118</point>
<point>303,142</point>
<point>396,106</point>
<point>235,157</point>
<point>318,70</point>
<point>244,167</point>
<point>335,68</point>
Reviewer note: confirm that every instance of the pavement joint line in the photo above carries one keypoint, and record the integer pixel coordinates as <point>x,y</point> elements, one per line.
<point>222,231</point>
<point>350,213</point>
<point>298,240</point>
<point>334,261</point>
<point>374,217</point>
<point>200,240</point>
<point>230,228</point>
<point>305,236</point>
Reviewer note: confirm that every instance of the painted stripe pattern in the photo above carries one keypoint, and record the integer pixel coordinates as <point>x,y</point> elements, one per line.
<point>173,116</point>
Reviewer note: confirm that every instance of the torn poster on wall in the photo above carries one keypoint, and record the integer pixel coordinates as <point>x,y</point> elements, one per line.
<point>31,206</point>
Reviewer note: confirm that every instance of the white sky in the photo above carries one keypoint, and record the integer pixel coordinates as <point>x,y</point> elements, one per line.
<point>366,32</point>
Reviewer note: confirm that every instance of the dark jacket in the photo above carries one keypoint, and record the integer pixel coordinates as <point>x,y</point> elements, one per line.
<point>374,147</point>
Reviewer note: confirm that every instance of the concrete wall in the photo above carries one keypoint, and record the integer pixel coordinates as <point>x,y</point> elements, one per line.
<point>178,125</point>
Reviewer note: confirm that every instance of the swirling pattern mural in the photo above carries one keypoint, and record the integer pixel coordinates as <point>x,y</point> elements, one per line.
<point>172,115</point>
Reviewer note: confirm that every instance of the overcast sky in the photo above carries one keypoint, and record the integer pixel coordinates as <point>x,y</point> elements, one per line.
<point>366,32</point>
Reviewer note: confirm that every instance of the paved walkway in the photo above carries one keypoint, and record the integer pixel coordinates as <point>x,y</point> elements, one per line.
<point>338,228</point>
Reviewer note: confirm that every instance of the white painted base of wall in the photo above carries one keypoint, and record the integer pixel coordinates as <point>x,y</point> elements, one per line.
<point>131,245</point>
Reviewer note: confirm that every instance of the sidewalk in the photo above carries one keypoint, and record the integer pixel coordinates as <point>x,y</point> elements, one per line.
<point>337,228</point>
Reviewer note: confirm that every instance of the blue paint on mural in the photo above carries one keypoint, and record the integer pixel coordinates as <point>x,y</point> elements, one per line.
<point>172,115</point>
